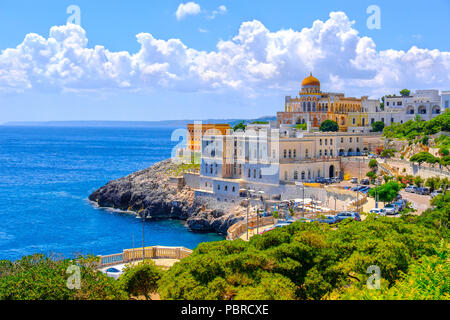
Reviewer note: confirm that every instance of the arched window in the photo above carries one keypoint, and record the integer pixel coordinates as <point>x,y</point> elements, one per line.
<point>303,175</point>
<point>295,175</point>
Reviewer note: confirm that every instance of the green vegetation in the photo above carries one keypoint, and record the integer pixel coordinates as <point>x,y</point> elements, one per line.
<point>388,153</point>
<point>405,93</point>
<point>315,261</point>
<point>260,122</point>
<point>412,129</point>
<point>386,192</point>
<point>39,277</point>
<point>301,126</point>
<point>141,279</point>
<point>329,126</point>
<point>377,126</point>
<point>240,126</point>
<point>422,157</point>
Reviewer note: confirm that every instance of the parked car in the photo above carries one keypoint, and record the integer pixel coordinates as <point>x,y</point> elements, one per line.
<point>336,180</point>
<point>365,182</point>
<point>391,209</point>
<point>328,219</point>
<point>320,180</point>
<point>364,189</point>
<point>423,191</point>
<point>435,193</point>
<point>378,211</point>
<point>411,189</point>
<point>401,204</point>
<point>372,156</point>
<point>354,180</point>
<point>113,273</point>
<point>348,215</point>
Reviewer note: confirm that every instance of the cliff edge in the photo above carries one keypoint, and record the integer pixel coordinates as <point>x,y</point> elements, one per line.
<point>151,192</point>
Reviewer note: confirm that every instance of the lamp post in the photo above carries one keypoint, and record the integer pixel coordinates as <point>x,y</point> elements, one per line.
<point>143,216</point>
<point>299,184</point>
<point>257,213</point>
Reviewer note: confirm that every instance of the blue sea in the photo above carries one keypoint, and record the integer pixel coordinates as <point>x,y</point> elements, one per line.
<point>47,174</point>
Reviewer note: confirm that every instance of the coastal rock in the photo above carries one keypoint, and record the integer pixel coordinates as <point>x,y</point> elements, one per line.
<point>150,192</point>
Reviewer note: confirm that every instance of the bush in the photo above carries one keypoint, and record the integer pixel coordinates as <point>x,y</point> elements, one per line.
<point>141,279</point>
<point>39,277</point>
<point>329,126</point>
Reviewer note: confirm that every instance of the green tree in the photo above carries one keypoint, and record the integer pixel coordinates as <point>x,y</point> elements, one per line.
<point>433,183</point>
<point>422,157</point>
<point>378,126</point>
<point>373,164</point>
<point>405,93</point>
<point>418,181</point>
<point>141,279</point>
<point>386,192</point>
<point>240,126</point>
<point>301,126</point>
<point>329,126</point>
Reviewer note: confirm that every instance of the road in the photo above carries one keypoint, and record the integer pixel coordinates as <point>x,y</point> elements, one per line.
<point>418,201</point>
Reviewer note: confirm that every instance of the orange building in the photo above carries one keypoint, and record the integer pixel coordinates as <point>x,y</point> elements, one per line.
<point>197,131</point>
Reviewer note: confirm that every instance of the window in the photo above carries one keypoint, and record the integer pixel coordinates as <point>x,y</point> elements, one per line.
<point>260,174</point>
<point>320,153</point>
<point>331,142</point>
<point>226,188</point>
<point>218,187</point>
<point>290,153</point>
<point>234,189</point>
<point>342,140</point>
<point>351,139</point>
<point>254,173</point>
<point>357,139</point>
<point>306,153</point>
<point>354,121</point>
<point>295,175</point>
<point>331,152</point>
<point>326,153</point>
<point>326,142</point>
<point>285,153</point>
<point>372,120</point>
<point>295,153</point>
<point>320,142</point>
<point>249,173</point>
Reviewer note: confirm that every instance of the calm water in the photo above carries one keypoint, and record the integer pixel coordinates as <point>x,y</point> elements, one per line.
<point>46,175</point>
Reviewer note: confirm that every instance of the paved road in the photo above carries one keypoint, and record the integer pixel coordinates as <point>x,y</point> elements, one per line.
<point>419,202</point>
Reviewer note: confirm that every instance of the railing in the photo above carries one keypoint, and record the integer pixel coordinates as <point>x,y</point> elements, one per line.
<point>155,252</point>
<point>238,229</point>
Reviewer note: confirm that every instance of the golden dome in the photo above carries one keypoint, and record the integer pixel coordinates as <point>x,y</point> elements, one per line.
<point>311,81</point>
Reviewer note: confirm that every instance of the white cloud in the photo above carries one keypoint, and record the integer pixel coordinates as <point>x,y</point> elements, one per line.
<point>256,61</point>
<point>220,10</point>
<point>186,9</point>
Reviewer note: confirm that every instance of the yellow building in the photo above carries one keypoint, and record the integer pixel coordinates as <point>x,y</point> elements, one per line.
<point>197,131</point>
<point>314,106</point>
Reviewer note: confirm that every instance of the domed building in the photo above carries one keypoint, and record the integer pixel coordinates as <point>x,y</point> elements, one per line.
<point>314,106</point>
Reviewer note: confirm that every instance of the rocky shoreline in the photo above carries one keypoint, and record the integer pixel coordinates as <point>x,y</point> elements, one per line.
<point>150,191</point>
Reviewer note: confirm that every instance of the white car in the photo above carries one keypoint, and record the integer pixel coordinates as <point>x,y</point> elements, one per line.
<point>113,273</point>
<point>391,209</point>
<point>378,211</point>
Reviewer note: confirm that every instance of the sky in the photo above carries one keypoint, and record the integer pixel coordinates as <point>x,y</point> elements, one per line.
<point>161,60</point>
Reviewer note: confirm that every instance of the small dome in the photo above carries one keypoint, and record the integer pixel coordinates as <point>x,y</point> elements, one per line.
<point>311,81</point>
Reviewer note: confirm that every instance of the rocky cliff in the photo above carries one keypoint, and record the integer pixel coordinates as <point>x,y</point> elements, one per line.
<point>150,192</point>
